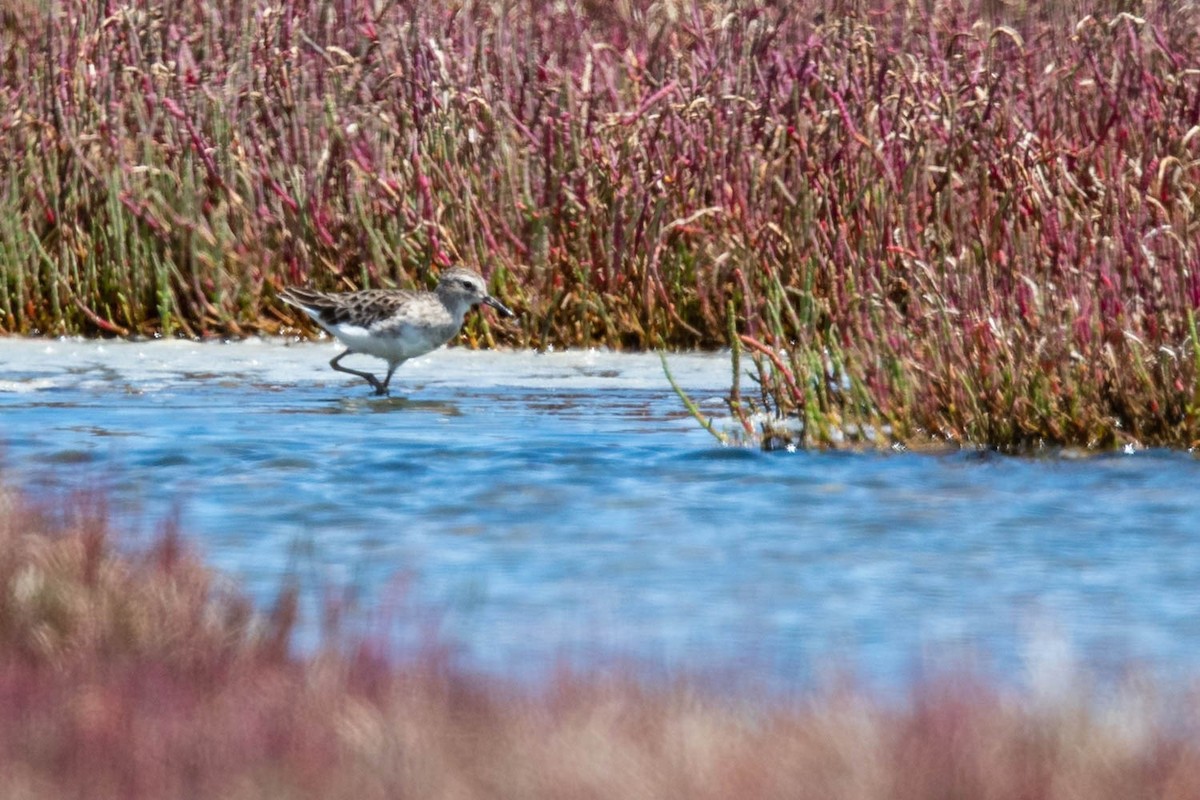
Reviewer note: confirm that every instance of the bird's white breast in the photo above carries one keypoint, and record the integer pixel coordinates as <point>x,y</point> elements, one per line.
<point>393,341</point>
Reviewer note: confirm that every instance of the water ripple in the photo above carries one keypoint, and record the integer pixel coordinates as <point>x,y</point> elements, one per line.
<point>556,509</point>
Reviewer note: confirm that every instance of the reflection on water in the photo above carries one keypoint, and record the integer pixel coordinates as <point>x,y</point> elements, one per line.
<point>568,508</point>
<point>374,405</point>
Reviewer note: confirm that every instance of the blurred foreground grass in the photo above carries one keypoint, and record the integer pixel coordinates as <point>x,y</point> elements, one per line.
<point>142,674</point>
<point>971,222</point>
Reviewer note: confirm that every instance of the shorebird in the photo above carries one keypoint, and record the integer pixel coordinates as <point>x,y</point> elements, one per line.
<point>394,324</point>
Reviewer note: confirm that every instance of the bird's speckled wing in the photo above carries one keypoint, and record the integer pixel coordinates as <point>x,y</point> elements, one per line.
<point>366,308</point>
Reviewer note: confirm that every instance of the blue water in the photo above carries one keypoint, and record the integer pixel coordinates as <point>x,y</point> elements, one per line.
<point>531,512</point>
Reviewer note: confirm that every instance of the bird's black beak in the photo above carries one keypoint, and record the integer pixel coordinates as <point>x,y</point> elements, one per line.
<point>504,310</point>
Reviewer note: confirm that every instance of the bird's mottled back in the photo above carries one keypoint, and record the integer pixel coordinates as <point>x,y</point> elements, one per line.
<point>364,308</point>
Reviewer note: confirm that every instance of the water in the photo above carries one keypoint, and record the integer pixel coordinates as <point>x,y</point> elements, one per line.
<point>536,509</point>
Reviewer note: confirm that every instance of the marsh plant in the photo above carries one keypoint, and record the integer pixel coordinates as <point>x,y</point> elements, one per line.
<point>964,222</point>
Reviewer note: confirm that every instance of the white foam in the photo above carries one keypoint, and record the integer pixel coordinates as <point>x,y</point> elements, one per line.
<point>151,365</point>
<point>24,387</point>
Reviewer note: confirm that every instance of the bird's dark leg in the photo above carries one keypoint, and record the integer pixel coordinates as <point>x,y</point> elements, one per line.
<point>380,388</point>
<point>388,379</point>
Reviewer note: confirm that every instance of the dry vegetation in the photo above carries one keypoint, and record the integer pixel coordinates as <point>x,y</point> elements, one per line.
<point>969,222</point>
<point>136,675</point>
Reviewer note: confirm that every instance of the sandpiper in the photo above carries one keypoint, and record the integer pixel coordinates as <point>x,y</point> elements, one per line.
<point>394,324</point>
